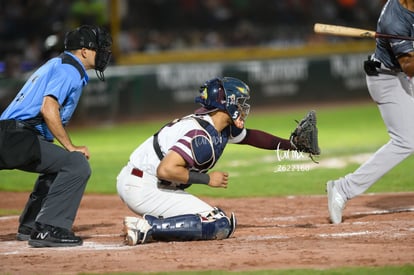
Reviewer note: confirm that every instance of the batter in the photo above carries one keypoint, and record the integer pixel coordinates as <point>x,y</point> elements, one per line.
<point>389,71</point>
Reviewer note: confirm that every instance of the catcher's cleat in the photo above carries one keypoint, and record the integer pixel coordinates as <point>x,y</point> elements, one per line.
<point>131,237</point>
<point>336,203</point>
<point>129,230</point>
<point>136,230</point>
<point>129,223</point>
<point>233,224</point>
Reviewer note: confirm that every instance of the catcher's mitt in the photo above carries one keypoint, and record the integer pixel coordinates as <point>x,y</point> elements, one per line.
<point>305,136</point>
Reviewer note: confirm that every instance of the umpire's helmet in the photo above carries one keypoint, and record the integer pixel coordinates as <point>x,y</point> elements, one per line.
<point>94,38</point>
<point>227,94</point>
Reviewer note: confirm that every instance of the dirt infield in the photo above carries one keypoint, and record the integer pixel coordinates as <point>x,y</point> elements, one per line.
<point>272,233</point>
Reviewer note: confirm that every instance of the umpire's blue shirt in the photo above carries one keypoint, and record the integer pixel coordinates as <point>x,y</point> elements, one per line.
<point>61,77</point>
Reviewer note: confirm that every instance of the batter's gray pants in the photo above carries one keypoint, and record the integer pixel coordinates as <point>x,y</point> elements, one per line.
<point>58,191</point>
<point>393,95</point>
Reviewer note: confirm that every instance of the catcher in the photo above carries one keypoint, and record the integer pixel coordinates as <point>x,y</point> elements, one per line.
<point>153,183</point>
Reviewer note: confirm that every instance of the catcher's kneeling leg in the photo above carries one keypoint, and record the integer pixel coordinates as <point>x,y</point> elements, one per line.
<point>189,227</point>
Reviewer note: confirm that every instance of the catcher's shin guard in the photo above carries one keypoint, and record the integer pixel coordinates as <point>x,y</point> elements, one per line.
<point>220,228</point>
<point>190,227</point>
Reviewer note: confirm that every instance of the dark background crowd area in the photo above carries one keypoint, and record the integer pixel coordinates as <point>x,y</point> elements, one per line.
<point>32,31</point>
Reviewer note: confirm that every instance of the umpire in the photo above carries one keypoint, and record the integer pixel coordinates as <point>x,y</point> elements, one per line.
<point>37,116</point>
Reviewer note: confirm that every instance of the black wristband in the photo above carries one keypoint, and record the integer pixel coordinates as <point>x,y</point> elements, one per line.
<point>200,178</point>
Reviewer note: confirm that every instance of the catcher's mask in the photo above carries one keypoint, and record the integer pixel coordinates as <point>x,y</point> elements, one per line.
<point>228,94</point>
<point>93,38</point>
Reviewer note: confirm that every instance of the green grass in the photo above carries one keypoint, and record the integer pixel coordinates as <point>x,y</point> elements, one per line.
<point>343,131</point>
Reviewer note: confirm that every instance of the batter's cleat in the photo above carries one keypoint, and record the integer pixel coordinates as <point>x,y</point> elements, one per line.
<point>136,230</point>
<point>23,233</point>
<point>336,203</point>
<point>44,235</point>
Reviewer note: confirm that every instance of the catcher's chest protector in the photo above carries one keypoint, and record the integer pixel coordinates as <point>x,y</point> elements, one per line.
<point>208,149</point>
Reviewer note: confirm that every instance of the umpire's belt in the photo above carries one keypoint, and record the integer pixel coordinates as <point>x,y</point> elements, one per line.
<point>11,124</point>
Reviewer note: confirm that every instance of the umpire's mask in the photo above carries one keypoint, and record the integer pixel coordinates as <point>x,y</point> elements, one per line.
<point>93,38</point>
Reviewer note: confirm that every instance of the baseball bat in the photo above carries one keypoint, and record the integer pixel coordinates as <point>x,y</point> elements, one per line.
<point>354,32</point>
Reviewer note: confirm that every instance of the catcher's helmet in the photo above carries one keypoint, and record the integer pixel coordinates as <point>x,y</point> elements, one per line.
<point>227,94</point>
<point>94,38</point>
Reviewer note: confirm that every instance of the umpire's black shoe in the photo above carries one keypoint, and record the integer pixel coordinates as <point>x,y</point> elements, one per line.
<point>44,235</point>
<point>23,233</point>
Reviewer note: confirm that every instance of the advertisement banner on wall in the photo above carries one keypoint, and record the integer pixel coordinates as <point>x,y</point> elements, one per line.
<point>139,91</point>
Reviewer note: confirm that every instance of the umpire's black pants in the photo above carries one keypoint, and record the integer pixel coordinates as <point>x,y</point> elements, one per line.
<point>58,191</point>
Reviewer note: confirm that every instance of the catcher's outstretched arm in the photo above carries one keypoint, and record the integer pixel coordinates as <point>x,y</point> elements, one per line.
<point>264,140</point>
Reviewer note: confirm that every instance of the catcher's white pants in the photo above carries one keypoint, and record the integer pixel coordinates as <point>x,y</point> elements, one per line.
<point>393,94</point>
<point>143,196</point>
